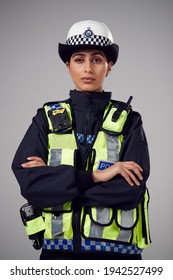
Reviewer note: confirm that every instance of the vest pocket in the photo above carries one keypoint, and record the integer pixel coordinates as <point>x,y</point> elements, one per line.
<point>126,221</point>
<point>98,223</point>
<point>58,222</point>
<point>107,224</point>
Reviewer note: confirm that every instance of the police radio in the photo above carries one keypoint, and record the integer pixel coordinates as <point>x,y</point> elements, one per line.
<point>31,216</point>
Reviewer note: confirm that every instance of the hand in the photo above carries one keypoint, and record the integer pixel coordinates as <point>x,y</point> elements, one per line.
<point>130,170</point>
<point>33,162</point>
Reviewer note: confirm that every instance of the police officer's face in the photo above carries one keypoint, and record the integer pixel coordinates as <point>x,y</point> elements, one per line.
<point>88,69</point>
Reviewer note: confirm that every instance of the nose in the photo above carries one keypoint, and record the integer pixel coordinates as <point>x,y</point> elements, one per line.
<point>88,67</point>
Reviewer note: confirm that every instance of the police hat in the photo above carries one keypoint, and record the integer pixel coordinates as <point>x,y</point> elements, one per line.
<point>89,34</point>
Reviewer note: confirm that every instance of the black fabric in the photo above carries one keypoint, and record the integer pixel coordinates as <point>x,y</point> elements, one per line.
<point>84,180</point>
<point>50,186</point>
<point>46,255</point>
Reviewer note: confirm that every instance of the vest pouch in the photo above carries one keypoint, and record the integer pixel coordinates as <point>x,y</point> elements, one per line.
<point>117,126</point>
<point>61,149</point>
<point>33,221</point>
<point>58,222</point>
<point>98,223</point>
<point>126,222</point>
<point>142,230</point>
<point>59,117</point>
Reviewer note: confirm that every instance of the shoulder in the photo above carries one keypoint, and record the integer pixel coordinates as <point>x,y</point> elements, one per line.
<point>52,103</point>
<point>134,118</point>
<point>41,114</point>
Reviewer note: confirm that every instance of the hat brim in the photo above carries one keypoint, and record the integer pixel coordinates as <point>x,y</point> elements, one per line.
<point>65,51</point>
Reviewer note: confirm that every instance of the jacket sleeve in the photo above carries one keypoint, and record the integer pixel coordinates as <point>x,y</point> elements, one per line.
<point>117,193</point>
<point>45,186</point>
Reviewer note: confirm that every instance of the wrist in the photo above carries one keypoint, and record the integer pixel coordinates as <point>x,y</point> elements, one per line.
<point>96,176</point>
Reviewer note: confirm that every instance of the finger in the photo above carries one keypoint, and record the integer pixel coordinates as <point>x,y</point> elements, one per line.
<point>138,173</point>
<point>25,165</point>
<point>33,163</point>
<point>133,164</point>
<point>133,177</point>
<point>34,158</point>
<point>130,177</point>
<point>29,164</point>
<point>135,168</point>
<point>127,178</point>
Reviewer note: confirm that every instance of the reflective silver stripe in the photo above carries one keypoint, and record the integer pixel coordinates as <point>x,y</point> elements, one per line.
<point>102,217</point>
<point>57,226</point>
<point>127,222</point>
<point>55,157</point>
<point>57,223</point>
<point>112,148</point>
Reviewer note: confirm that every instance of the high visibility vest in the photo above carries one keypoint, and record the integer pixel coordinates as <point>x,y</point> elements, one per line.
<point>99,226</point>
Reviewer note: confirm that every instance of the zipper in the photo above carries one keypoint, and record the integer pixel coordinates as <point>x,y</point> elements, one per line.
<point>77,209</point>
<point>87,119</point>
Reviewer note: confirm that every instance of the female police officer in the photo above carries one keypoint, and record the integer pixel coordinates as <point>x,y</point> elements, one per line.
<point>84,161</point>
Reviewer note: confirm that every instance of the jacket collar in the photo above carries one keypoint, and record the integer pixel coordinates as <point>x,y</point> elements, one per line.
<point>97,100</point>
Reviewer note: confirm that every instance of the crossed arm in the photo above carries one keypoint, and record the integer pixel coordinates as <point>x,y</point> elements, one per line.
<point>130,170</point>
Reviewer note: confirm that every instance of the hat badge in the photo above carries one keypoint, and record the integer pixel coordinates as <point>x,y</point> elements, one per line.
<point>88,33</point>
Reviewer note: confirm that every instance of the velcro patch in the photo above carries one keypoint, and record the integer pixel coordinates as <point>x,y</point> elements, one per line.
<point>104,164</point>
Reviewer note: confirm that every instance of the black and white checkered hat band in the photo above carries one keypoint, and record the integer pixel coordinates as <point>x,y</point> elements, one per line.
<point>93,40</point>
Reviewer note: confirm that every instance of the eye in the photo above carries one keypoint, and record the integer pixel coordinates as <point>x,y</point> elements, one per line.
<point>79,60</point>
<point>97,60</point>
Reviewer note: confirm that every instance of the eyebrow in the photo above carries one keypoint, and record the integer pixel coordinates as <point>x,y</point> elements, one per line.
<point>83,54</point>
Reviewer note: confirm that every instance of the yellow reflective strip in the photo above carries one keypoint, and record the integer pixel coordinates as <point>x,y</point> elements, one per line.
<point>146,215</point>
<point>67,225</point>
<point>112,231</point>
<point>119,216</point>
<point>67,157</point>
<point>35,225</point>
<point>61,141</point>
<point>48,225</point>
<point>138,229</point>
<point>47,108</point>
<point>107,108</point>
<point>94,213</point>
<point>120,140</point>
<point>100,142</point>
<point>87,226</point>
<point>101,149</point>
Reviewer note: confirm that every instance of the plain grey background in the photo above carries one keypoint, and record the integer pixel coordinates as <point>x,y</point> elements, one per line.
<point>32,73</point>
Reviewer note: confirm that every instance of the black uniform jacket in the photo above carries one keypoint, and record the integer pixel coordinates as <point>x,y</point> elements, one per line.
<point>51,186</point>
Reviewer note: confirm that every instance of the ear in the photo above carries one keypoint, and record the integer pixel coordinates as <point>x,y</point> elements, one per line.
<point>110,64</point>
<point>68,66</point>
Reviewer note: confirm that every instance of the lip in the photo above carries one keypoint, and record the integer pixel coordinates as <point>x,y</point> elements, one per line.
<point>88,79</point>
